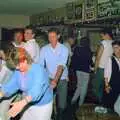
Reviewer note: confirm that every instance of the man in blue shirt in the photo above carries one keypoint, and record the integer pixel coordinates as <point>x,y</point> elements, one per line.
<point>54,57</point>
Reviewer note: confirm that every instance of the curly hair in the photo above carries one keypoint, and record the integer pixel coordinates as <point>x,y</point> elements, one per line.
<point>15,56</point>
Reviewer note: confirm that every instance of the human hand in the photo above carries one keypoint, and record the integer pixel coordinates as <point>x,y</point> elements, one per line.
<point>107,89</point>
<point>94,70</point>
<point>53,84</point>
<point>16,108</point>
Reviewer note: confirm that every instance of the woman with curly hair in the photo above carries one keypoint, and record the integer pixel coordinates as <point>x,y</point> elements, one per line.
<point>36,92</point>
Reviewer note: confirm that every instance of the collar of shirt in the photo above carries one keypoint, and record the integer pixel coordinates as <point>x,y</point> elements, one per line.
<point>54,49</point>
<point>27,43</point>
<point>20,45</point>
<point>32,40</point>
<point>118,61</point>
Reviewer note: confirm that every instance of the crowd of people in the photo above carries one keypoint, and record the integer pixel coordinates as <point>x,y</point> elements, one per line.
<point>33,79</point>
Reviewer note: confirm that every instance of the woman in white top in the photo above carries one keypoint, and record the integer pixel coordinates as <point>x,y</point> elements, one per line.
<point>112,77</point>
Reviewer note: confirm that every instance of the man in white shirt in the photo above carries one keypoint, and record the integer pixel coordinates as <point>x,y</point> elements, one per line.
<point>31,46</point>
<point>104,52</point>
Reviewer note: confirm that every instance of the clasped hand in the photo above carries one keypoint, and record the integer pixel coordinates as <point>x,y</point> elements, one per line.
<point>16,108</point>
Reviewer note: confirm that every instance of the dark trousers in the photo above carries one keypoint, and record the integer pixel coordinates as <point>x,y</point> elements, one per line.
<point>98,84</point>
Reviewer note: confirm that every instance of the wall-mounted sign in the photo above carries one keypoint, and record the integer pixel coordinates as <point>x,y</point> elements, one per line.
<point>111,8</point>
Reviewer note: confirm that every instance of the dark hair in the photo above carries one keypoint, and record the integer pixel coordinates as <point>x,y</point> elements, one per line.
<point>30,28</point>
<point>116,42</point>
<point>107,31</point>
<point>54,30</point>
<point>85,42</point>
<point>18,31</point>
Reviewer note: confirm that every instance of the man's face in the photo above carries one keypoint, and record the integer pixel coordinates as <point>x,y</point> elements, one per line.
<point>18,37</point>
<point>28,34</point>
<point>53,38</point>
<point>116,49</point>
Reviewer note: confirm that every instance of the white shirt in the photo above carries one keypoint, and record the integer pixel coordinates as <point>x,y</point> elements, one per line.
<point>108,68</point>
<point>53,57</point>
<point>108,50</point>
<point>15,45</point>
<point>33,49</point>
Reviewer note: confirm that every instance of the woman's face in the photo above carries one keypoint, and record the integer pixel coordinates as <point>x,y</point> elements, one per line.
<point>116,49</point>
<point>18,37</point>
<point>22,66</point>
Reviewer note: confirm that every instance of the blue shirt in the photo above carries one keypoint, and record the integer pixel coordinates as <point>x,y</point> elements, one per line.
<point>51,58</point>
<point>34,83</point>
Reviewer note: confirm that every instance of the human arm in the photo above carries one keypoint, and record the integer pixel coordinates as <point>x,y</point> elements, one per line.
<point>18,106</point>
<point>10,87</point>
<point>34,94</point>
<point>98,56</point>
<point>60,68</point>
<point>58,74</point>
<point>107,75</point>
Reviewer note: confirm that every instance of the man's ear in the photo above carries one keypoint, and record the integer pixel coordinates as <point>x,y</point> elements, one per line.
<point>58,36</point>
<point>33,35</point>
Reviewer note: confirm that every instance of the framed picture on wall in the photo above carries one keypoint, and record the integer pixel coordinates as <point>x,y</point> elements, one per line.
<point>78,11</point>
<point>90,9</point>
<point>90,3</point>
<point>70,7</point>
<point>90,14</point>
<point>40,19</point>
